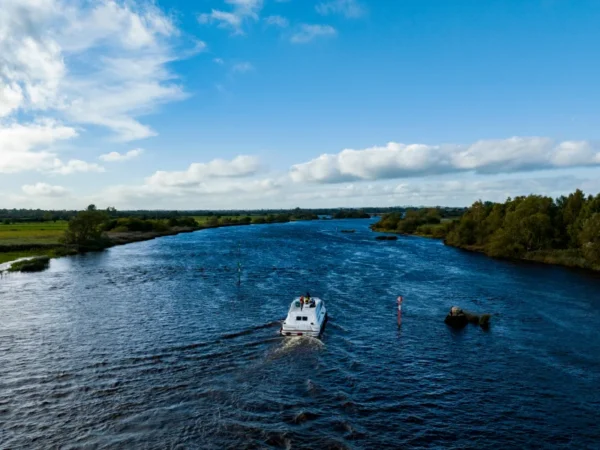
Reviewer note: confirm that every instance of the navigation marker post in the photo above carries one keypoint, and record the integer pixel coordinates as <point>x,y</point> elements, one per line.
<point>239,264</point>
<point>399,300</point>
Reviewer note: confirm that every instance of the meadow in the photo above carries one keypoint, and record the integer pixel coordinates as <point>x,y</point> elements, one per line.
<point>32,233</point>
<point>40,237</point>
<point>25,239</point>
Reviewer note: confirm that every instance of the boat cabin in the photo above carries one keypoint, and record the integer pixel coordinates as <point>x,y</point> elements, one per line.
<point>304,317</point>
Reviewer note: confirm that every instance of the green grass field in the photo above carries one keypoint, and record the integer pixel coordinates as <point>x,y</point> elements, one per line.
<point>29,233</point>
<point>32,233</point>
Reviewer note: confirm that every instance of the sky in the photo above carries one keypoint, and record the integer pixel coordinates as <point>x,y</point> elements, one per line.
<point>219,104</point>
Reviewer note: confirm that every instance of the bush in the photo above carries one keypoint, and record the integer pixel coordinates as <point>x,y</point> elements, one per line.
<point>31,265</point>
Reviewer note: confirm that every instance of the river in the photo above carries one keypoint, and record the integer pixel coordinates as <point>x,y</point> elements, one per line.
<point>154,345</point>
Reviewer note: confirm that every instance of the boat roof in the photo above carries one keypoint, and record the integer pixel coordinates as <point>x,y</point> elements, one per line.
<point>316,299</point>
<point>293,306</point>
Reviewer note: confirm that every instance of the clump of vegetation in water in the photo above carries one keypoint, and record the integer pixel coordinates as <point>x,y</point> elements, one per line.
<point>37,264</point>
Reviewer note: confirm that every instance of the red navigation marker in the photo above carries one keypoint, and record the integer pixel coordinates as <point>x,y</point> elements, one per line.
<point>400,310</point>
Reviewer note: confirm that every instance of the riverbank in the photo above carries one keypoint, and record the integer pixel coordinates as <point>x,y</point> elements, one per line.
<point>571,258</point>
<point>11,250</point>
<point>564,257</point>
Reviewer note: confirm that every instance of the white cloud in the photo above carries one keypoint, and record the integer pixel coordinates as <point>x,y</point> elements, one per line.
<point>116,156</point>
<point>277,21</point>
<point>76,165</point>
<point>11,97</point>
<point>575,153</point>
<point>197,173</point>
<point>216,183</point>
<point>218,61</point>
<point>102,63</point>
<point>242,11</point>
<point>242,67</point>
<point>347,8</point>
<point>487,156</point>
<point>222,18</point>
<point>27,147</point>
<point>278,192</point>
<point>307,33</point>
<point>44,190</point>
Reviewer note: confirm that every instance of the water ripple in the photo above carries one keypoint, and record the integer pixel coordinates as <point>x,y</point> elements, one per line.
<point>154,345</point>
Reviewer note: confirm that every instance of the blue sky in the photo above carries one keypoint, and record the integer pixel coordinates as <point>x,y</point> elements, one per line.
<point>258,104</point>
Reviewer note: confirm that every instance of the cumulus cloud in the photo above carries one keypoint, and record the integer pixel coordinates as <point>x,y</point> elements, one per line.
<point>44,190</point>
<point>116,156</point>
<point>213,184</point>
<point>242,11</point>
<point>277,21</point>
<point>307,33</point>
<point>347,8</point>
<point>27,147</point>
<point>102,63</point>
<point>76,165</point>
<point>485,157</point>
<point>197,173</point>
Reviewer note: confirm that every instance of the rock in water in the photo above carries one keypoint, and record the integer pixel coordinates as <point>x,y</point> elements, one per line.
<point>456,318</point>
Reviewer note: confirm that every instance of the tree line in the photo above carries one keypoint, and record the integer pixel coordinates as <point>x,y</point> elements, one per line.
<point>565,230</point>
<point>15,215</point>
<point>87,229</point>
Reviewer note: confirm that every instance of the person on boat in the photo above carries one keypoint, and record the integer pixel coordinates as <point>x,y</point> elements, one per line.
<point>308,297</point>
<point>301,302</point>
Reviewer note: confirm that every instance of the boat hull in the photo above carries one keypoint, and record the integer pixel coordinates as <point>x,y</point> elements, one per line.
<point>294,331</point>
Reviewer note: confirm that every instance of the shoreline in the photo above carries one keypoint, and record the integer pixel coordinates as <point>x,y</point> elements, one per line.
<point>560,258</point>
<point>113,239</point>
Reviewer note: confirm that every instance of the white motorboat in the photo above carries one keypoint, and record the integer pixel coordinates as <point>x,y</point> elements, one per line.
<point>306,317</point>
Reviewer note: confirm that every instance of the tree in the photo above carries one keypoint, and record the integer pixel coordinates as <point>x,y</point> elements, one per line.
<point>433,216</point>
<point>571,211</point>
<point>590,239</point>
<point>85,229</point>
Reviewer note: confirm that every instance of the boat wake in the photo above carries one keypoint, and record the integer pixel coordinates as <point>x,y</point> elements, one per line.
<point>297,343</point>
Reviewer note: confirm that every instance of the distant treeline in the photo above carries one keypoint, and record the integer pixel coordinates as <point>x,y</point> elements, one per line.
<point>144,225</point>
<point>351,214</point>
<point>425,221</point>
<point>39,215</point>
<point>564,231</point>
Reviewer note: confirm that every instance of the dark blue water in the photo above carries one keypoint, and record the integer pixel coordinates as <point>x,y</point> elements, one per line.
<point>153,345</point>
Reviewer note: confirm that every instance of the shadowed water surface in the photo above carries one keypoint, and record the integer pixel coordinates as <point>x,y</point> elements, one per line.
<point>153,345</point>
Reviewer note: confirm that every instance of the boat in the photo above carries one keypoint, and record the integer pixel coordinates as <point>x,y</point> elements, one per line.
<point>305,318</point>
